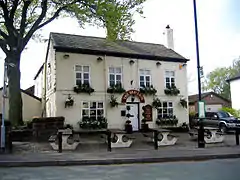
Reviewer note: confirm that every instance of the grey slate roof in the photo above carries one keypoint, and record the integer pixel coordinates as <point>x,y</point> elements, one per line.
<point>96,45</point>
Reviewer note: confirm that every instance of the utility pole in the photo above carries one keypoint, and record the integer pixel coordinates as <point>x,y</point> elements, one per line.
<point>201,143</point>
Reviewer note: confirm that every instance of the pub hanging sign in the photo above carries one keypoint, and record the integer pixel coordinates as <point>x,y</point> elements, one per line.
<point>133,92</point>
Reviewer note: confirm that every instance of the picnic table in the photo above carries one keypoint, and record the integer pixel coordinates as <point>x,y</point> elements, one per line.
<point>96,131</point>
<point>211,135</point>
<point>164,139</point>
<point>120,139</point>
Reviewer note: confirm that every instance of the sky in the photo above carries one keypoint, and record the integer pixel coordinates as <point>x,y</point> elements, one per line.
<point>218,26</point>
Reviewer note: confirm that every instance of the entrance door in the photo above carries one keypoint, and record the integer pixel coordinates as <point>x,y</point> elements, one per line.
<point>134,116</point>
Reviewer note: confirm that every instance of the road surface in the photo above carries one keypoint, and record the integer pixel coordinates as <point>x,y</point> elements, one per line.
<point>204,170</point>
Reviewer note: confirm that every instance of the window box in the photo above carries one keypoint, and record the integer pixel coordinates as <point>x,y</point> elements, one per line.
<point>83,88</point>
<point>148,90</point>
<point>172,90</point>
<point>117,88</point>
<point>93,123</point>
<point>168,121</point>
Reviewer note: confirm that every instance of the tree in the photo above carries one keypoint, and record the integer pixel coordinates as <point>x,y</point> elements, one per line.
<point>21,20</point>
<point>216,80</point>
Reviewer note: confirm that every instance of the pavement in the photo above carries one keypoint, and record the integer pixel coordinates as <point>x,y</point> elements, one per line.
<point>227,169</point>
<point>184,150</point>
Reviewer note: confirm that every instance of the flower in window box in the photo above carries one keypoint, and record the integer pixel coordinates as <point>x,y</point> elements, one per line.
<point>172,90</point>
<point>83,88</point>
<point>148,90</point>
<point>117,88</point>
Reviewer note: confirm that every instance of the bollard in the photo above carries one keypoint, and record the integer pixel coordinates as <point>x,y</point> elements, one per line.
<point>59,142</point>
<point>109,141</point>
<point>10,147</point>
<point>155,137</point>
<point>237,136</point>
<point>201,142</point>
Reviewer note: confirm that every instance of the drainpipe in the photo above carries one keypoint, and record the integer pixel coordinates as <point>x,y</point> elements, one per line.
<point>105,85</point>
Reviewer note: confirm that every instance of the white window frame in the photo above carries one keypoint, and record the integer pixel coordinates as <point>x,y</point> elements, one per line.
<point>82,73</point>
<point>145,75</point>
<point>168,107</point>
<point>89,108</point>
<point>170,78</point>
<point>115,75</point>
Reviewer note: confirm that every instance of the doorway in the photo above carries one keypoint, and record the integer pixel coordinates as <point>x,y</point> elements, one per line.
<point>134,112</point>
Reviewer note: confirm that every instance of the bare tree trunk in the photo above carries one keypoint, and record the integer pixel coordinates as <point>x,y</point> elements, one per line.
<point>15,98</point>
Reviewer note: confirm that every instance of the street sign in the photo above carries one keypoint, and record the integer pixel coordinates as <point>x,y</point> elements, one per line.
<point>201,109</point>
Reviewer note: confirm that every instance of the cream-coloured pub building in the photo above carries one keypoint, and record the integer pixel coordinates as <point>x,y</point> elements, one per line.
<point>92,77</point>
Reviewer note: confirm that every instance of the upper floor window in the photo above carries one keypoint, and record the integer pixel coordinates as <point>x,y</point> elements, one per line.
<point>82,74</point>
<point>145,78</point>
<point>169,78</point>
<point>166,110</point>
<point>115,76</point>
<point>93,110</point>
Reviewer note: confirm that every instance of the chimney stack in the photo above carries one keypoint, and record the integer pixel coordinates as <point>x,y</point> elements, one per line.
<point>169,37</point>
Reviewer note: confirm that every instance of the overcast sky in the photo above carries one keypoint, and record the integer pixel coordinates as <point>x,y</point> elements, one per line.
<point>219,35</point>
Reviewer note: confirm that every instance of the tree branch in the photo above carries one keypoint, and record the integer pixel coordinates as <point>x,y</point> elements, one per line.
<point>3,46</point>
<point>36,24</point>
<point>4,35</point>
<point>8,22</point>
<point>24,17</point>
<point>14,8</point>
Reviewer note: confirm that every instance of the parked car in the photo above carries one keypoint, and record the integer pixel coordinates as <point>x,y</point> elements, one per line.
<point>223,120</point>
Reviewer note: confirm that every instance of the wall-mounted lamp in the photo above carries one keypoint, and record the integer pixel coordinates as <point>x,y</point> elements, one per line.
<point>184,64</point>
<point>131,62</point>
<point>99,59</point>
<point>158,63</point>
<point>65,56</point>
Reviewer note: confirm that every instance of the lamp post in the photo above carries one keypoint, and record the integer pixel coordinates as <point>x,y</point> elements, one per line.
<point>201,143</point>
<point>3,106</point>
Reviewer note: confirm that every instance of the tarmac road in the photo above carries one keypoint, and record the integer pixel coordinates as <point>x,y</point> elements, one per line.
<point>228,169</point>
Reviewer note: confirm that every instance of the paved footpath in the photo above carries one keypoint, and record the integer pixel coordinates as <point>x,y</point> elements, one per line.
<point>118,156</point>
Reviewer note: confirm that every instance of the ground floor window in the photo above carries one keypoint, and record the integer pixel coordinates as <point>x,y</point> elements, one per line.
<point>93,110</point>
<point>165,110</point>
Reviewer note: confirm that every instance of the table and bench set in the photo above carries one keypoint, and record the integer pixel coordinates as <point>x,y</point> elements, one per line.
<point>68,139</point>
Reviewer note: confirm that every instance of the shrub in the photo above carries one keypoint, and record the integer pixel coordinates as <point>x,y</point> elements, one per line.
<point>234,112</point>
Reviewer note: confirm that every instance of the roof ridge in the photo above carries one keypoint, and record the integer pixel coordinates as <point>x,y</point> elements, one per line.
<point>97,37</point>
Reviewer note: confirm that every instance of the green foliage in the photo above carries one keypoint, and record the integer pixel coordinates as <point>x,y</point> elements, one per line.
<point>172,91</point>
<point>92,123</point>
<point>216,80</point>
<point>117,88</point>
<point>148,90</point>
<point>234,112</point>
<point>21,20</point>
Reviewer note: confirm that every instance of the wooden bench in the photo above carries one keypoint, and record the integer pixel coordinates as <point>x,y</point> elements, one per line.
<point>68,140</point>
